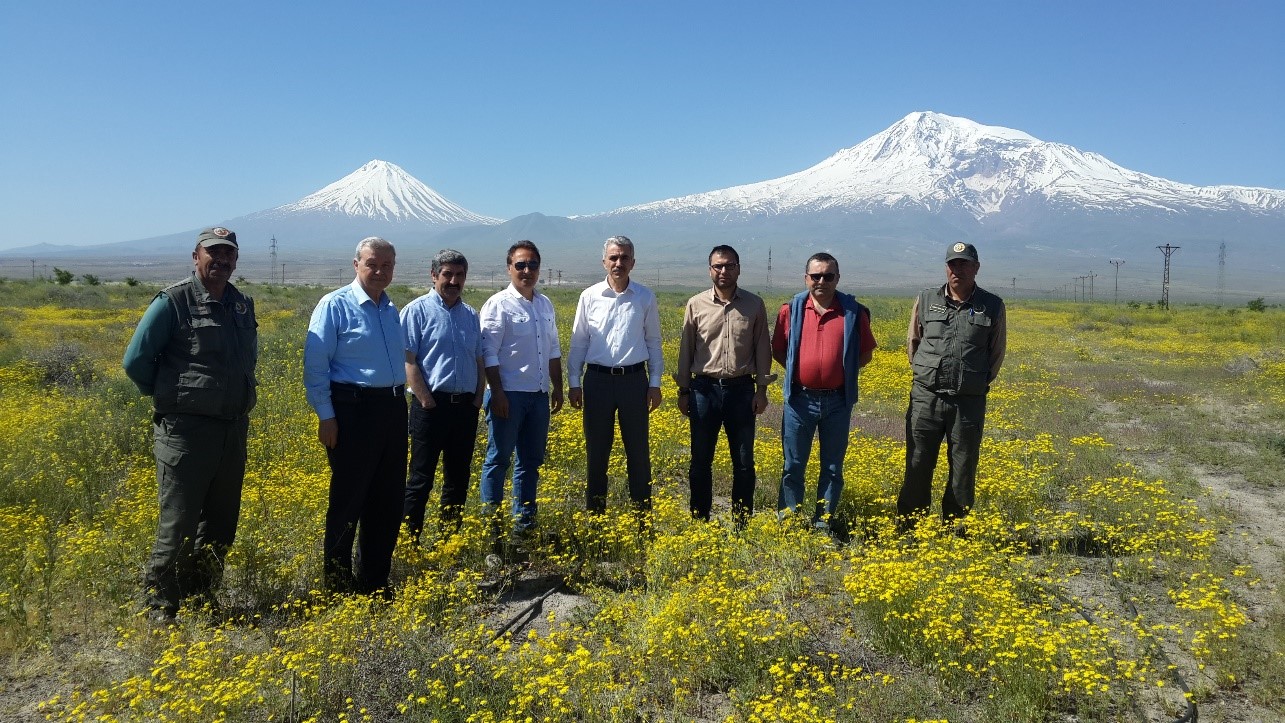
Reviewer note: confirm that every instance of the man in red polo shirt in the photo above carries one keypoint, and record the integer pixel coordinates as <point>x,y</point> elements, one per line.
<point>822,338</point>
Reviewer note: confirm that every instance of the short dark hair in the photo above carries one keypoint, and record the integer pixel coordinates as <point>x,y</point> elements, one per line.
<point>824,258</point>
<point>523,244</point>
<point>726,251</point>
<point>448,256</point>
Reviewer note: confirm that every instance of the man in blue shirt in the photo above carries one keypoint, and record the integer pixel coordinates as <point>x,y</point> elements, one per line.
<point>194,353</point>
<point>444,372</point>
<point>354,373</point>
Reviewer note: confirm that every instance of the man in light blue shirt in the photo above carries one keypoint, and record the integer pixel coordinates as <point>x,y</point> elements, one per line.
<point>354,373</point>
<point>444,372</point>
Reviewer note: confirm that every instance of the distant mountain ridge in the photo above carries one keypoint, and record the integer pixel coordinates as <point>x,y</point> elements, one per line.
<point>890,202</point>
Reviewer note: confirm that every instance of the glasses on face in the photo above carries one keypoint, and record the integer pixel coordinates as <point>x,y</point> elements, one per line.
<point>724,267</point>
<point>524,265</point>
<point>826,277</point>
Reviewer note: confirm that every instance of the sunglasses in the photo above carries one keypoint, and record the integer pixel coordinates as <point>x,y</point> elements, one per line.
<point>724,267</point>
<point>827,277</point>
<point>524,265</point>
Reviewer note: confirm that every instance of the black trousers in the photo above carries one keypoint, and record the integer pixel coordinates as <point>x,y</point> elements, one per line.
<point>606,397</point>
<point>367,484</point>
<point>449,432</point>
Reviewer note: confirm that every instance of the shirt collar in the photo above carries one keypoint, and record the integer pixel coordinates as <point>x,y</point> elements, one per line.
<point>363,297</point>
<point>713,293</point>
<point>608,291</point>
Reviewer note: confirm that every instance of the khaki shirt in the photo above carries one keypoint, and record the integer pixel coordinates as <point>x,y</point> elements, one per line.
<point>725,339</point>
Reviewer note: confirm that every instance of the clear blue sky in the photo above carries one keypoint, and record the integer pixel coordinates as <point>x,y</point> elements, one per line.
<point>126,120</point>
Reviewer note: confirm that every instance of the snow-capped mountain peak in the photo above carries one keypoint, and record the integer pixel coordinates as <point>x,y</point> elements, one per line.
<point>382,191</point>
<point>939,162</point>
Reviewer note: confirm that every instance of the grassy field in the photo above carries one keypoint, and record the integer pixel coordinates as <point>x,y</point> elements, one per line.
<point>1128,532</point>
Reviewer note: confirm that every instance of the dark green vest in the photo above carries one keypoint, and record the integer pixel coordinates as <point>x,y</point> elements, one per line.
<point>954,354</point>
<point>208,366</point>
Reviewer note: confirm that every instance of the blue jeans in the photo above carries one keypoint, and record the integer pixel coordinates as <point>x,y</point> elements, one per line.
<point>808,413</point>
<point>710,407</point>
<point>527,431</point>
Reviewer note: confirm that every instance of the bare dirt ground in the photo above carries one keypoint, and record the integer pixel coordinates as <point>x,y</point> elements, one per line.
<point>1252,529</point>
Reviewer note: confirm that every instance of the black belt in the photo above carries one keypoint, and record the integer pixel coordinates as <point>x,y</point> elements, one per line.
<point>617,371</point>
<point>360,392</point>
<point>453,397</point>
<point>728,382</point>
<point>814,390</point>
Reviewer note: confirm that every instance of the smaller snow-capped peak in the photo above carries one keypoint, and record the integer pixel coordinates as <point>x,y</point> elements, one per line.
<point>382,190</point>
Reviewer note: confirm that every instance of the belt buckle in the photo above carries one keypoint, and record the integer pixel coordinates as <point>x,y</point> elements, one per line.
<point>457,397</point>
<point>617,371</point>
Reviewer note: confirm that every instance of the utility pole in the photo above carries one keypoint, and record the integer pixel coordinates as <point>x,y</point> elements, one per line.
<point>272,266</point>
<point>1222,271</point>
<point>1117,263</point>
<point>559,277</point>
<point>769,267</point>
<point>1091,277</point>
<point>1167,250</point>
<point>283,274</point>
<point>33,269</point>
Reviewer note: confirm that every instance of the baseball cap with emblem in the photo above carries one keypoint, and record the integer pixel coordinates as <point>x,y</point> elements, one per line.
<point>217,236</point>
<point>961,250</point>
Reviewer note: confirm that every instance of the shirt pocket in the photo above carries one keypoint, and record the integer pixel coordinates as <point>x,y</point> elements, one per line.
<point>520,323</point>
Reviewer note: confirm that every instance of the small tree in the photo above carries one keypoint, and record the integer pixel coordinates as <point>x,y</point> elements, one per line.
<point>1256,305</point>
<point>62,276</point>
<point>131,281</point>
<point>89,279</point>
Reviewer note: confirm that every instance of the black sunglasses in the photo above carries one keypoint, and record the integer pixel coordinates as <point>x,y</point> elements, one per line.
<point>827,277</point>
<point>524,265</point>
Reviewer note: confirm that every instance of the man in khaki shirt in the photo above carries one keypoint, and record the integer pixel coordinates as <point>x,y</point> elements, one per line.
<point>724,367</point>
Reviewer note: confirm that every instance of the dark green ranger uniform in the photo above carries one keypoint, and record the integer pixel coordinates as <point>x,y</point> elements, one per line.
<point>960,348</point>
<point>195,356</point>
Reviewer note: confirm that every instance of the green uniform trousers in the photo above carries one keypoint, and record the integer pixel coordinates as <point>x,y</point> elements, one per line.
<point>929,418</point>
<point>200,467</point>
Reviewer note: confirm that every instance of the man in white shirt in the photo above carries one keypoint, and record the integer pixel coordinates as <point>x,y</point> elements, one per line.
<point>615,344</point>
<point>523,367</point>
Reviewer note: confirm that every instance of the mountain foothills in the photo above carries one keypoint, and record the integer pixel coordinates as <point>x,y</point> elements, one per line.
<point>886,207</point>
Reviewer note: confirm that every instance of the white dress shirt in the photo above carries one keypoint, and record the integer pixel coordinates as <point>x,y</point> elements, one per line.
<point>519,337</point>
<point>616,330</point>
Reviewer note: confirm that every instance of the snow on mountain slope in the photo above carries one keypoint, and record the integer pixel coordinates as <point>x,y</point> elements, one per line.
<point>383,191</point>
<point>937,162</point>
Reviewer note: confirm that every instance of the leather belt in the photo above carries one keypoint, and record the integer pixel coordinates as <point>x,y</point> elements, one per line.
<point>356,390</point>
<point>728,382</point>
<point>617,371</point>
<point>453,397</point>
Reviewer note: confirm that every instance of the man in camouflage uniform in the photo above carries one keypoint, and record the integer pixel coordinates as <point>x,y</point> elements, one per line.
<point>956,345</point>
<point>194,353</point>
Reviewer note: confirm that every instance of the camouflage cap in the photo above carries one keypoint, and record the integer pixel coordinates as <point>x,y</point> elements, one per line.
<point>217,236</point>
<point>961,250</point>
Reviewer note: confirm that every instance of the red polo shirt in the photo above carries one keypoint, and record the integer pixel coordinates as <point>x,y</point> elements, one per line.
<point>820,344</point>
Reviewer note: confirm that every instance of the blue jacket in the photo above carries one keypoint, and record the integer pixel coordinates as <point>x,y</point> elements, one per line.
<point>852,311</point>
